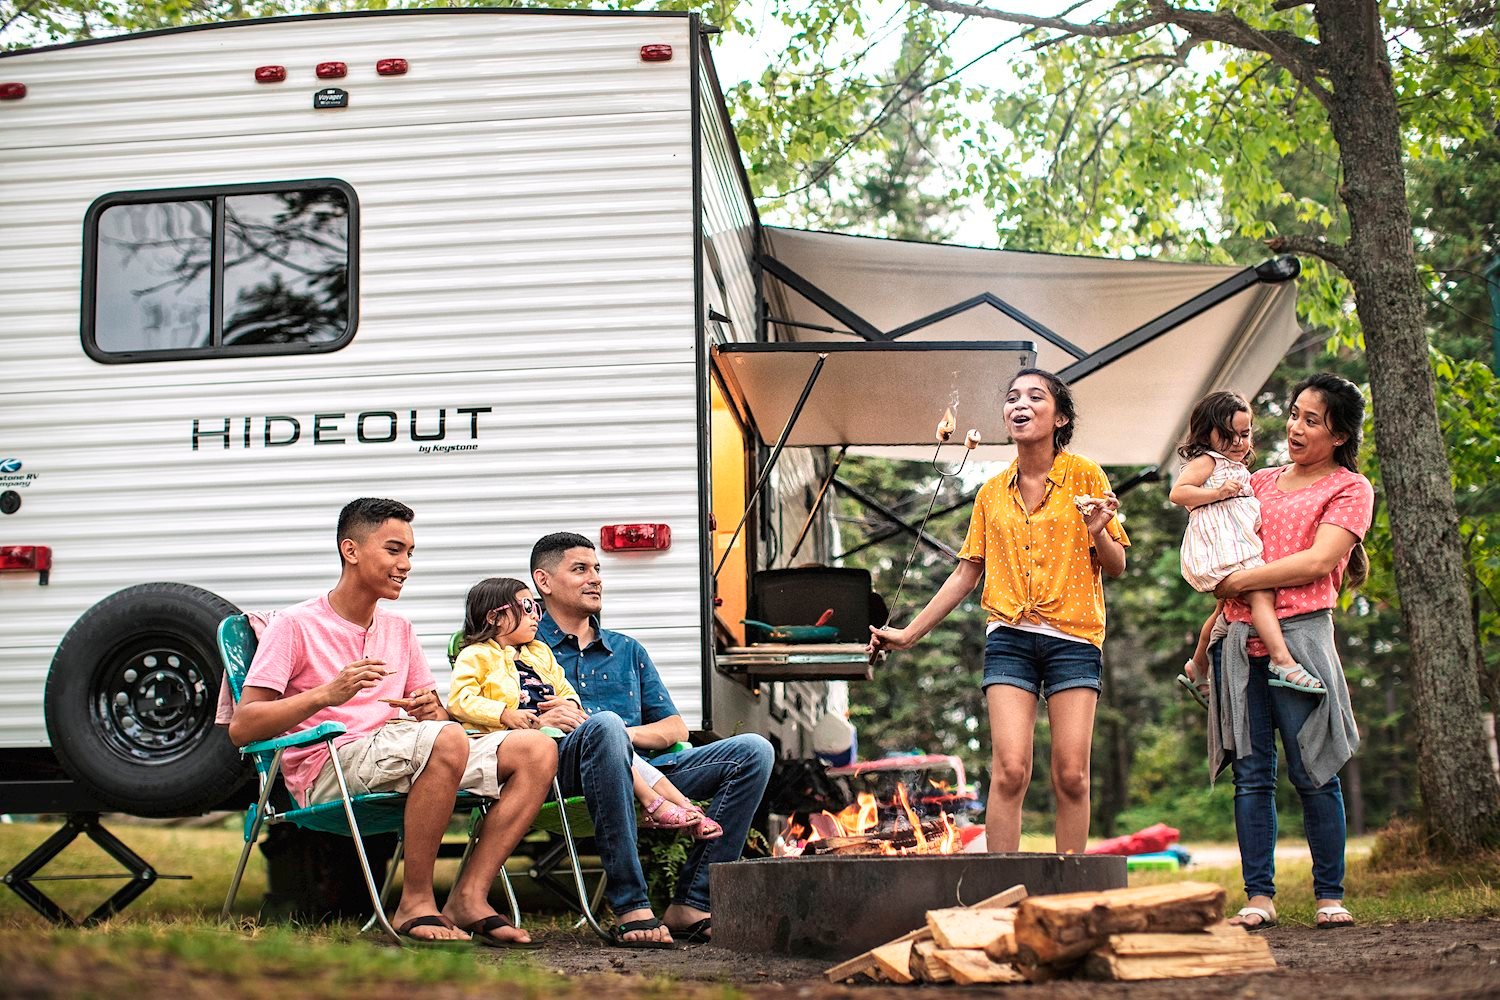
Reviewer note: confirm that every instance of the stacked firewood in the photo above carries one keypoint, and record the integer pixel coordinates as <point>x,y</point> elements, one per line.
<point>1150,932</point>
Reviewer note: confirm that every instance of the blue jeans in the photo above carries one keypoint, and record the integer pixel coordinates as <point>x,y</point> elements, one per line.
<point>594,760</point>
<point>732,774</point>
<point>1273,710</point>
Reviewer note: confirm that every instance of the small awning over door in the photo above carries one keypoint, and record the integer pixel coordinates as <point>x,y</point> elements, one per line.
<point>1138,340</point>
<point>877,394</point>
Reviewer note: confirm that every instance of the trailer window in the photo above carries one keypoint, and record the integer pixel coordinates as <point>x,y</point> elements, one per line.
<point>250,269</point>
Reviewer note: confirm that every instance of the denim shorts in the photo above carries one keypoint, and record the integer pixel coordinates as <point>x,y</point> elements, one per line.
<point>1041,664</point>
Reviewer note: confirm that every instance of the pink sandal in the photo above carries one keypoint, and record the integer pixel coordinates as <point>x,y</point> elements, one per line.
<point>707,829</point>
<point>664,815</point>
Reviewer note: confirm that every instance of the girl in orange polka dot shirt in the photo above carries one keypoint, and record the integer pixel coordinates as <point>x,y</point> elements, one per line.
<point>1042,537</point>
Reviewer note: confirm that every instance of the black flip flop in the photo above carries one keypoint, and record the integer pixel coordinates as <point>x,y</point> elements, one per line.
<point>481,930</point>
<point>431,920</point>
<point>695,933</point>
<point>618,931</point>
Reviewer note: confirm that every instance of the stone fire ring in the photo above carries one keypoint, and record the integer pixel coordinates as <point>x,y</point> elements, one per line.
<point>836,907</point>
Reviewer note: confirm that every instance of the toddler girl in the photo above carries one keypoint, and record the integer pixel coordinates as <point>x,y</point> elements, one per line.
<point>1222,534</point>
<point>503,675</point>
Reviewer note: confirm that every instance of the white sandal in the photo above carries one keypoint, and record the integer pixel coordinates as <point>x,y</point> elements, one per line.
<point>1266,919</point>
<point>1330,912</point>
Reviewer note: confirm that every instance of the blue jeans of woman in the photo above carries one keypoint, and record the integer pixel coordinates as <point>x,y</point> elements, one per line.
<point>1281,710</point>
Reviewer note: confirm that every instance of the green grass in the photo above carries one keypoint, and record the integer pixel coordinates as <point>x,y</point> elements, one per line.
<point>252,962</point>
<point>207,854</point>
<point>170,941</point>
<point>1409,889</point>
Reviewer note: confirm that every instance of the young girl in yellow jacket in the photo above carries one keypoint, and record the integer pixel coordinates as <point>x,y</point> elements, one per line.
<point>503,675</point>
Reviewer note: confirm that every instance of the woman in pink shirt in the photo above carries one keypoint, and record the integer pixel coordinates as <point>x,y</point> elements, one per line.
<point>1314,513</point>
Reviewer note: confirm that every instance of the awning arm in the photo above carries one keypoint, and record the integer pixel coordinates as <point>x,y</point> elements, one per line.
<point>1150,474</point>
<point>886,533</point>
<point>867,330</point>
<point>870,503</point>
<point>856,323</point>
<point>838,460</point>
<point>1275,271</point>
<point>987,299</point>
<point>791,421</point>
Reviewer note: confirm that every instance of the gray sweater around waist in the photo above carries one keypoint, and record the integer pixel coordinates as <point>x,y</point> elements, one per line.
<point>1329,737</point>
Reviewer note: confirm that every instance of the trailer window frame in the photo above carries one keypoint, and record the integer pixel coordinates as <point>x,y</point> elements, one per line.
<point>215,195</point>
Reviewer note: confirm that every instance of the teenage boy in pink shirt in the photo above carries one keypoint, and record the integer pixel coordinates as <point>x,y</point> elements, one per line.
<point>341,658</point>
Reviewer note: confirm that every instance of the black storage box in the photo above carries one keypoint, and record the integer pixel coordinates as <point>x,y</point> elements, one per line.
<point>799,596</point>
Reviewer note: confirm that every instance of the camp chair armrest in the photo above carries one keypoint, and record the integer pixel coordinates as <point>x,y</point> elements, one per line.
<point>677,747</point>
<point>322,731</point>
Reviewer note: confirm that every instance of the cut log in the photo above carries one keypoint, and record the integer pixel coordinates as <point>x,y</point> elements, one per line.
<point>969,927</point>
<point>968,967</point>
<point>1002,948</point>
<point>923,966</point>
<point>1178,956</point>
<point>860,965</point>
<point>894,961</point>
<point>1000,900</point>
<point>1058,929</point>
<point>865,962</point>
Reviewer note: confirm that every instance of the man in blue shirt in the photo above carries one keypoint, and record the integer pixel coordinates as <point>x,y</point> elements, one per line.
<point>629,708</point>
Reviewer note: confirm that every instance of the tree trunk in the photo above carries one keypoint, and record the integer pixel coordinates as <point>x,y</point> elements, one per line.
<point>1460,796</point>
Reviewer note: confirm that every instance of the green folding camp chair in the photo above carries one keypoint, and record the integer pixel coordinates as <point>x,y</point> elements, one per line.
<point>353,816</point>
<point>565,821</point>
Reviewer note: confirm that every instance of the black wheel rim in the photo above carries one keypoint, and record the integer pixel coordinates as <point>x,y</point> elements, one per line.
<point>154,699</point>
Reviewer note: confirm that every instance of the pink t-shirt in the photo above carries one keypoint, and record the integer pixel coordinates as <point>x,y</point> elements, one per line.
<point>307,645</point>
<point>1289,523</point>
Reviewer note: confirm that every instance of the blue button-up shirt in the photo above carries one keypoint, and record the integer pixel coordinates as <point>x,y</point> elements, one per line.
<point>614,674</point>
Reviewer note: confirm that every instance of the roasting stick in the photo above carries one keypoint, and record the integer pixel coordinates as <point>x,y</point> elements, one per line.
<point>945,429</point>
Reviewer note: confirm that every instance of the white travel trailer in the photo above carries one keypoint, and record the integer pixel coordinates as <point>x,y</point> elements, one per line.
<point>503,266</point>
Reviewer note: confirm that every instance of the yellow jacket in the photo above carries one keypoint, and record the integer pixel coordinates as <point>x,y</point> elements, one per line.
<point>487,682</point>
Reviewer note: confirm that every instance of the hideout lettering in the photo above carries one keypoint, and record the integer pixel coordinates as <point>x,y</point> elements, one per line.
<point>369,427</point>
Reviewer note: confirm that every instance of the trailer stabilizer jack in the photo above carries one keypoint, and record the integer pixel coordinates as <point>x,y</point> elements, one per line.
<point>137,869</point>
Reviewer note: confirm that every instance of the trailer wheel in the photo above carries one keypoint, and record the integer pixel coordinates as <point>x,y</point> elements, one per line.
<point>131,699</point>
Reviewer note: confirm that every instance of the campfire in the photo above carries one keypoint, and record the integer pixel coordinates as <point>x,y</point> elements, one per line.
<point>860,830</point>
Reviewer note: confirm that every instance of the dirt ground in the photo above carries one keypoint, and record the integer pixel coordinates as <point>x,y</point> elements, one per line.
<point>1448,959</point>
<point>1459,959</point>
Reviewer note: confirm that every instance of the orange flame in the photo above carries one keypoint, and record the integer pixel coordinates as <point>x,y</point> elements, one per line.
<point>911,815</point>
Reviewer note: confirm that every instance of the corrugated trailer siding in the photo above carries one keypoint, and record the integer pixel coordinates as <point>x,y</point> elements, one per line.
<point>728,218</point>
<point>729,228</point>
<point>561,238</point>
<point>463,67</point>
<point>541,267</point>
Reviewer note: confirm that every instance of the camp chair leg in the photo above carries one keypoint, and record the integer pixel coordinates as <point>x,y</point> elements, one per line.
<point>359,849</point>
<point>252,834</point>
<point>510,897</point>
<point>583,894</point>
<point>390,881</point>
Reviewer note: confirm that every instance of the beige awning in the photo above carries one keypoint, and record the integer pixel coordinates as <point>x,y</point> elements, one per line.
<point>1132,407</point>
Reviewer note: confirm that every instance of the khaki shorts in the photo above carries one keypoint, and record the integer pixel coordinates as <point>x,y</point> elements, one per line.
<point>392,757</point>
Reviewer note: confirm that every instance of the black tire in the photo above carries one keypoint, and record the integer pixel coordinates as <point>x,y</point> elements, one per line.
<point>131,699</point>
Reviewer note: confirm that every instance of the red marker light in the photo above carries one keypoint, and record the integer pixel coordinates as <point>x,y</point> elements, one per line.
<point>332,70</point>
<point>26,559</point>
<point>634,537</point>
<point>270,74</point>
<point>656,53</point>
<point>12,91</point>
<point>391,67</point>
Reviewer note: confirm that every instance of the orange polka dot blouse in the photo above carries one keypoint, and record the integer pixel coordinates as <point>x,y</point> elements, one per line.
<point>1039,566</point>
